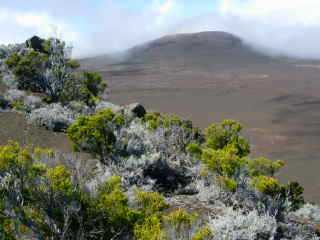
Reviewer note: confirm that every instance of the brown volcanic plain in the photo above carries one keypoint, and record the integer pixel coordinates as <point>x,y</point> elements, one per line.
<point>211,76</point>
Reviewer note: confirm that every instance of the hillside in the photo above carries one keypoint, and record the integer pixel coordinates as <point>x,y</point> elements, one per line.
<point>214,75</point>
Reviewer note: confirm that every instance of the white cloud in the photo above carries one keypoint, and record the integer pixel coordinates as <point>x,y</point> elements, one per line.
<point>291,27</point>
<point>18,26</point>
<point>166,7</point>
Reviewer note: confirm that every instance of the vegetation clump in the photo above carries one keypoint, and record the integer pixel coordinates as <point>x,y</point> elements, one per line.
<point>95,134</point>
<point>46,67</point>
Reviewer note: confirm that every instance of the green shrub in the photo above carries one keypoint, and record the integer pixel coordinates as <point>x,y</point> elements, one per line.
<point>264,166</point>
<point>181,223</point>
<point>294,193</point>
<point>267,185</point>
<point>47,70</point>
<point>60,179</point>
<point>72,63</point>
<point>114,204</point>
<point>29,70</point>
<point>204,233</point>
<point>85,87</point>
<point>194,149</point>
<point>150,202</point>
<point>149,229</point>
<point>153,120</point>
<point>224,161</point>
<point>95,134</point>
<point>228,183</point>
<point>228,133</point>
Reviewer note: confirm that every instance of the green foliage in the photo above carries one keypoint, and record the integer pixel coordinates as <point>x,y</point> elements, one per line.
<point>95,134</point>
<point>264,166</point>
<point>228,133</point>
<point>224,161</point>
<point>228,183</point>
<point>181,223</point>
<point>203,233</point>
<point>29,69</point>
<point>149,229</point>
<point>155,120</point>
<point>72,63</point>
<point>47,70</point>
<point>85,87</point>
<point>46,203</point>
<point>267,185</point>
<point>60,179</point>
<point>294,193</point>
<point>114,204</point>
<point>150,202</point>
<point>194,149</point>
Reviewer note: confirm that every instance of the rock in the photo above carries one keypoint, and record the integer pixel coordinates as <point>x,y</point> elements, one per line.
<point>32,102</point>
<point>13,95</point>
<point>167,178</point>
<point>80,108</point>
<point>36,43</point>
<point>54,117</point>
<point>104,105</point>
<point>137,109</point>
<point>4,104</point>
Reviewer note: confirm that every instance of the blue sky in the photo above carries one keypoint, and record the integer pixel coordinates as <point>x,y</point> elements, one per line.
<point>101,26</point>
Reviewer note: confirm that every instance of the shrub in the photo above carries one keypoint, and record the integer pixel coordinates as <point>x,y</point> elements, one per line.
<point>264,166</point>
<point>267,185</point>
<point>181,223</point>
<point>46,68</point>
<point>294,193</point>
<point>114,205</point>
<point>150,202</point>
<point>149,229</point>
<point>95,134</point>
<point>29,70</point>
<point>225,161</point>
<point>228,133</point>
<point>228,183</point>
<point>85,87</point>
<point>204,233</point>
<point>194,149</point>
<point>153,120</point>
<point>60,179</point>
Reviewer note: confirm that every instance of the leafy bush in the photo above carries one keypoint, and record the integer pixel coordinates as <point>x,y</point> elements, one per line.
<point>294,194</point>
<point>95,134</point>
<point>194,149</point>
<point>264,166</point>
<point>204,233</point>
<point>150,202</point>
<point>46,68</point>
<point>181,223</point>
<point>149,229</point>
<point>85,87</point>
<point>224,161</point>
<point>228,133</point>
<point>267,185</point>
<point>29,70</point>
<point>228,183</point>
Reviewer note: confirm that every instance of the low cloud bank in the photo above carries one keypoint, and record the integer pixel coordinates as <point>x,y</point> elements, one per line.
<point>288,27</point>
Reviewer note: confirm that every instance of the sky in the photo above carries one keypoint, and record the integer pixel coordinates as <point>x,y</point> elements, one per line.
<point>93,27</point>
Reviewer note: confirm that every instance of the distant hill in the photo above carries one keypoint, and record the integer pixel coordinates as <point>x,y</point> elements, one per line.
<point>213,47</point>
<point>203,49</point>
